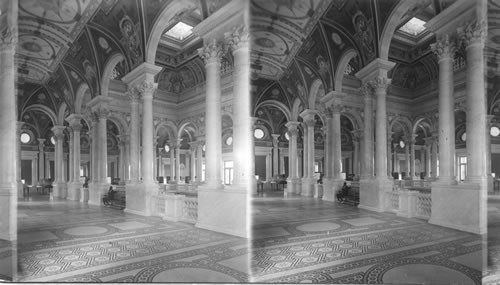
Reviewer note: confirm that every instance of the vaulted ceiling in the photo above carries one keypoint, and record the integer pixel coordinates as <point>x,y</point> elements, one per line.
<point>66,43</point>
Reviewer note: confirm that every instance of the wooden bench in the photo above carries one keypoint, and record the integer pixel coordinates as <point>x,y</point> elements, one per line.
<point>117,201</point>
<point>352,196</point>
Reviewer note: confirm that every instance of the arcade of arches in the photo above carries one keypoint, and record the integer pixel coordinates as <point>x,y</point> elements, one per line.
<point>226,130</point>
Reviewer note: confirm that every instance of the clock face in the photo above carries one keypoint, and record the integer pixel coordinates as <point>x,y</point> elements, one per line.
<point>258,133</point>
<point>464,136</point>
<point>167,148</point>
<point>402,144</point>
<point>494,131</point>
<point>25,138</point>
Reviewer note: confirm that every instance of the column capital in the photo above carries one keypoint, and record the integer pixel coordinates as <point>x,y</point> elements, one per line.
<point>275,139</point>
<point>74,121</point>
<point>473,33</point>
<point>58,132</point>
<point>333,102</point>
<point>292,125</point>
<point>41,143</point>
<point>308,116</point>
<point>211,52</point>
<point>101,113</point>
<point>357,135</point>
<point>444,48</point>
<point>133,95</point>
<point>145,89</point>
<point>237,38</point>
<point>123,139</point>
<point>379,84</point>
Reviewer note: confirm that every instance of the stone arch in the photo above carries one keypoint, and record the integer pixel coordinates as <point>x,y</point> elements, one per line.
<point>404,122</point>
<point>163,21</point>
<point>277,104</point>
<point>190,128</point>
<point>355,118</point>
<point>43,109</point>
<point>112,61</point>
<point>393,21</point>
<point>425,121</point>
<point>296,109</point>
<point>314,92</point>
<point>119,121</point>
<point>169,126</point>
<point>80,95</point>
<point>60,114</point>
<point>344,61</point>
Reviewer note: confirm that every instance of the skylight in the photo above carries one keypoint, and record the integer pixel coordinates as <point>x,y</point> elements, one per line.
<point>413,27</point>
<point>180,31</point>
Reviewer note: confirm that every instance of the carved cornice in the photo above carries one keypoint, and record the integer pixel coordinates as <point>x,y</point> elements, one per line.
<point>211,52</point>
<point>473,33</point>
<point>238,38</point>
<point>444,48</point>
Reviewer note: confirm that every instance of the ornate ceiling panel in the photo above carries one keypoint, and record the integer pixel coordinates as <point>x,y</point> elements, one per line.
<point>46,29</point>
<point>279,29</point>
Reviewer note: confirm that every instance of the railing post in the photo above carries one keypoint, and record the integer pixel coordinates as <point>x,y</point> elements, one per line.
<point>403,203</point>
<point>412,204</point>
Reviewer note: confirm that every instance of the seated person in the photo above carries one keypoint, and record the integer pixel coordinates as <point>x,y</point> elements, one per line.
<point>343,192</point>
<point>106,200</point>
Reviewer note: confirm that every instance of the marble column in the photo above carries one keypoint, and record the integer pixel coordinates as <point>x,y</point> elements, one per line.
<point>193,148</point>
<point>211,53</point>
<point>178,161</point>
<point>428,160</point>
<point>293,180</point>
<point>71,152</point>
<point>59,183</point>
<point>199,161</point>
<point>356,139</point>
<point>41,159</point>
<point>412,158</point>
<point>121,157</point>
<point>473,36</point>
<point>134,137</point>
<point>269,166</point>
<point>434,163</point>
<point>147,88</point>
<point>100,112</point>
<point>380,85</point>
<point>173,179</point>
<point>243,157</point>
<point>445,49</point>
<point>308,181</point>
<point>275,154</point>
<point>407,157</point>
<point>389,154</point>
<point>300,156</point>
<point>74,186</point>
<point>367,155</point>
<point>8,141</point>
<point>333,181</point>
<point>34,167</point>
<point>19,181</point>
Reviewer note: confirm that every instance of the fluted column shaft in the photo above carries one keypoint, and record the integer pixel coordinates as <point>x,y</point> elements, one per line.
<point>71,154</point>
<point>445,50</point>
<point>19,126</point>
<point>309,143</point>
<point>434,157</point>
<point>474,36</point>
<point>356,141</point>
<point>76,127</point>
<point>428,158</point>
<point>412,158</point>
<point>212,53</point>
<point>102,147</point>
<point>172,164</point>
<point>199,162</point>
<point>178,162</point>
<point>146,89</point>
<point>193,163</point>
<point>334,130</point>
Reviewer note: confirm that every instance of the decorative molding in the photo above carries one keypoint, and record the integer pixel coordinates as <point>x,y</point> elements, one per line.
<point>379,83</point>
<point>145,88</point>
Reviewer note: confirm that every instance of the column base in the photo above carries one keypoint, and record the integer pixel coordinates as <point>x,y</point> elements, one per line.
<point>471,216</point>
<point>224,210</point>
<point>292,186</point>
<point>139,198</point>
<point>74,191</point>
<point>60,190</point>
<point>84,195</point>
<point>8,204</point>
<point>372,193</point>
<point>308,187</point>
<point>330,188</point>
<point>97,191</point>
<point>8,262</point>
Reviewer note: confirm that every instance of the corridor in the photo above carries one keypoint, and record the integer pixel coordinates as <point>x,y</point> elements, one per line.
<point>306,240</point>
<point>65,241</point>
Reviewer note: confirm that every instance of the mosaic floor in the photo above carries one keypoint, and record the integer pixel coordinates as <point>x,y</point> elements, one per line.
<point>64,241</point>
<point>303,240</point>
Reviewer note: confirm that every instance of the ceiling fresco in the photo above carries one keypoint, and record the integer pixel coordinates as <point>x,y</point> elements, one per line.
<point>274,92</point>
<point>278,29</point>
<point>46,29</point>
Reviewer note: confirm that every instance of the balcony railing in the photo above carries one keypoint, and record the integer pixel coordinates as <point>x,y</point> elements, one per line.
<point>176,206</point>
